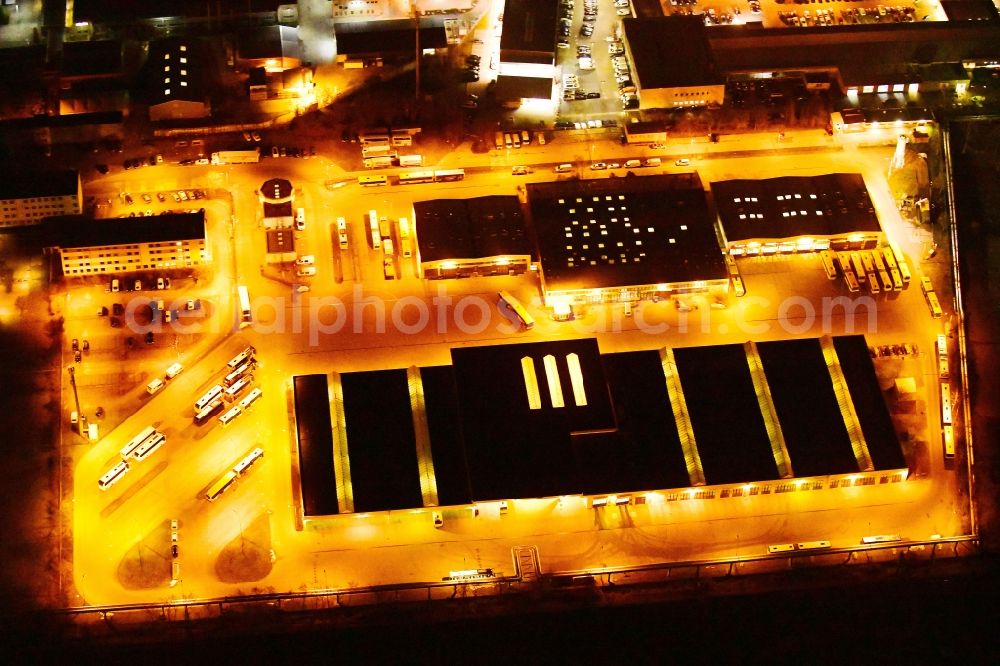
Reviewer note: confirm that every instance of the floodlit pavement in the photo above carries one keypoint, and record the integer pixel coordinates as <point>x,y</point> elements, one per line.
<point>259,513</point>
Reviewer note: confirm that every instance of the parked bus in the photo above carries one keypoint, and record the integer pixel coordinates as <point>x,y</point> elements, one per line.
<point>373,181</point>
<point>210,396</point>
<point>851,280</point>
<point>942,356</point>
<point>221,486</point>
<point>948,440</point>
<point>449,175</point>
<point>373,139</point>
<point>250,399</point>
<point>411,160</point>
<point>827,258</point>
<point>228,417</point>
<point>881,538</point>
<point>237,388</point>
<point>934,305</point>
<point>238,360</point>
<point>519,310</point>
<point>887,284</point>
<point>245,315</point>
<point>238,373</point>
<point>373,226</point>
<point>150,446</point>
<point>904,271</point>
<point>925,285</point>
<point>945,403</point>
<point>129,449</point>
<point>210,410</point>
<point>248,460</point>
<point>112,475</point>
<point>411,177</point>
<point>897,280</point>
<point>873,285</point>
<point>857,266</point>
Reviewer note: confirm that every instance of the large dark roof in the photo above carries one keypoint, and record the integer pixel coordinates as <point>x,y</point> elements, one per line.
<point>315,439</point>
<point>514,451</point>
<point>186,79</point>
<point>863,53</point>
<point>279,210</point>
<point>21,184</point>
<point>390,36</point>
<point>811,421</point>
<point>381,444</point>
<point>71,120</point>
<point>728,426</point>
<point>96,58</point>
<point>523,87</point>
<point>74,231</point>
<point>276,189</point>
<point>620,232</point>
<point>790,206</point>
<point>272,41</point>
<point>126,11</point>
<point>470,228</point>
<point>645,452</point>
<point>869,403</point>
<point>670,51</point>
<point>445,430</point>
<point>529,31</point>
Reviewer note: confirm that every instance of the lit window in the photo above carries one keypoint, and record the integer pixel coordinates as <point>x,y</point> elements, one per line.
<point>812,196</point>
<point>649,229</point>
<point>684,227</point>
<point>736,199</point>
<point>673,240</point>
<point>743,217</point>
<point>780,198</point>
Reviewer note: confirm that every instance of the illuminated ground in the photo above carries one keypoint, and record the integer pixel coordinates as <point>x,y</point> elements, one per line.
<point>226,546</point>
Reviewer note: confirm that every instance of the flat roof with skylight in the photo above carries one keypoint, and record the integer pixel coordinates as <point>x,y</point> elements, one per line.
<point>825,206</point>
<point>622,232</point>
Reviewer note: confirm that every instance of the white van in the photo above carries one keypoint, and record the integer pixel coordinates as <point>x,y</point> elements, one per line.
<point>631,164</point>
<point>306,271</point>
<point>563,168</point>
<point>174,370</point>
<point>306,260</point>
<point>154,386</point>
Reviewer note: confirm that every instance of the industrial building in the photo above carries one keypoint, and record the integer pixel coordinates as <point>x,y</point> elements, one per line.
<point>276,48</point>
<point>624,239</point>
<point>28,197</point>
<point>796,214</point>
<point>527,51</point>
<point>564,419</point>
<point>177,87</point>
<point>672,63</point>
<point>128,244</point>
<point>464,237</point>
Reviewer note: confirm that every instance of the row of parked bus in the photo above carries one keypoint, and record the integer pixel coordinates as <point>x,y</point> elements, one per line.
<point>138,449</point>
<point>238,379</point>
<point>881,269</point>
<point>224,482</point>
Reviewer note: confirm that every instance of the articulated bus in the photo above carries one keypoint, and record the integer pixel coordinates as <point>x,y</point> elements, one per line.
<point>246,316</point>
<point>211,395</point>
<point>827,257</point>
<point>945,404</point>
<point>150,446</point>
<point>410,177</point>
<point>446,175</point>
<point>857,266</point>
<point>221,486</point>
<point>248,460</point>
<point>210,410</point>
<point>112,475</point>
<point>136,442</point>
<point>519,310</point>
<point>942,356</point>
<point>237,360</point>
<point>373,181</point>
<point>238,373</point>
<point>237,388</point>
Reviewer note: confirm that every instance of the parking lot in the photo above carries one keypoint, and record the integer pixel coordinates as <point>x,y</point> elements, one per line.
<point>777,14</point>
